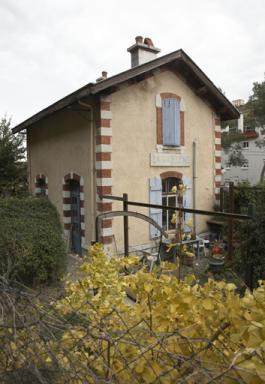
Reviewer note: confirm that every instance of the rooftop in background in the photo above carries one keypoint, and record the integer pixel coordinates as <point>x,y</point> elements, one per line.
<point>238,102</point>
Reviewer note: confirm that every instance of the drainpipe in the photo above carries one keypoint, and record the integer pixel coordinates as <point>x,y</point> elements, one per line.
<point>93,163</point>
<point>194,177</point>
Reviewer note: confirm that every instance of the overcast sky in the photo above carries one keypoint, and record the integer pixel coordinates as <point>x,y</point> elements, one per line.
<point>49,48</point>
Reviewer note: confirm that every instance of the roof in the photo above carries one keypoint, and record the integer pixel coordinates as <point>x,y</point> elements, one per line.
<point>251,134</point>
<point>177,61</point>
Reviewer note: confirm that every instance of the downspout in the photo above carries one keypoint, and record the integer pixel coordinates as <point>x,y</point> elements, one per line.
<point>29,163</point>
<point>93,202</point>
<point>194,177</point>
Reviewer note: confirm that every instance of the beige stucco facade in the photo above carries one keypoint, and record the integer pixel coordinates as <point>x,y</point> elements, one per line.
<point>57,146</point>
<point>65,143</point>
<point>134,139</point>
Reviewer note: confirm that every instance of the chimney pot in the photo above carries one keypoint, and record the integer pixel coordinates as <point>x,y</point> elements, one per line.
<point>103,76</point>
<point>139,39</point>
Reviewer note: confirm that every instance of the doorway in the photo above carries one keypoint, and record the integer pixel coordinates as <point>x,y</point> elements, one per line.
<point>76,233</point>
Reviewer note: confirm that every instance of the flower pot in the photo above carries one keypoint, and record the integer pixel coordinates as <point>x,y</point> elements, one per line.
<point>216,265</point>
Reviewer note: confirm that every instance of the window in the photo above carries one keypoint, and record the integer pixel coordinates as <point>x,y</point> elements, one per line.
<point>169,198</point>
<point>245,144</point>
<point>170,120</point>
<point>41,185</point>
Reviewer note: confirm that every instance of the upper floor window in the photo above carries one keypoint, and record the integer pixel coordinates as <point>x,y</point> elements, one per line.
<point>170,120</point>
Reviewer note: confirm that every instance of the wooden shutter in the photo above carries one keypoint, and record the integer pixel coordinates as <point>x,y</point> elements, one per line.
<point>155,197</point>
<point>187,198</point>
<point>171,122</point>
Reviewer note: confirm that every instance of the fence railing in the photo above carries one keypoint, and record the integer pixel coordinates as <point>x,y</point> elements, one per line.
<point>229,216</point>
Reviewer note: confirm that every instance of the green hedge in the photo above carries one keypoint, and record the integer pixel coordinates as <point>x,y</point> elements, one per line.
<point>31,244</point>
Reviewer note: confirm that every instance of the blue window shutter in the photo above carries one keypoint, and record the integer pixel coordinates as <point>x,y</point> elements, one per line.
<point>187,198</point>
<point>171,122</point>
<point>155,197</point>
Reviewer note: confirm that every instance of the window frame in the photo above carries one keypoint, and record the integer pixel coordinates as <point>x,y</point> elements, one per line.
<point>159,119</point>
<point>166,195</point>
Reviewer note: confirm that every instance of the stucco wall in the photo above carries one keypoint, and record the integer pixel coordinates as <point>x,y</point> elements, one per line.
<point>58,145</point>
<point>134,138</point>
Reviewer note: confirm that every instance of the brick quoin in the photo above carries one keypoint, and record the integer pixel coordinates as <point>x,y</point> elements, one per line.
<point>107,223</point>
<point>103,140</point>
<point>103,156</point>
<point>105,106</point>
<point>103,173</point>
<point>218,135</point>
<point>104,207</point>
<point>218,147</point>
<point>217,121</point>
<point>105,123</point>
<point>104,190</point>
<point>106,240</point>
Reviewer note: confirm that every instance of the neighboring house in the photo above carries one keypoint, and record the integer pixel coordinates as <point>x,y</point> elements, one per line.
<point>139,132</point>
<point>251,168</point>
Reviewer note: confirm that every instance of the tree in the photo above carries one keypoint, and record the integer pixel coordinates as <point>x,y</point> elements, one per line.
<point>257,103</point>
<point>12,160</point>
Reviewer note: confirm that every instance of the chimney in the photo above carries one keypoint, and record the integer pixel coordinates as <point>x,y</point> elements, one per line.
<point>142,51</point>
<point>103,76</point>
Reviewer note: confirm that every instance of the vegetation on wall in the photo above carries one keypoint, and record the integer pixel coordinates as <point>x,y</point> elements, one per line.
<point>31,245</point>
<point>250,256</point>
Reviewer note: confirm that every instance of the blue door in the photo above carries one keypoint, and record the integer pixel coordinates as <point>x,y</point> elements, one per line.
<point>75,217</point>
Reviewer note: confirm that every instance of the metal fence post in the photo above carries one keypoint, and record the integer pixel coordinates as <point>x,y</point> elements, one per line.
<point>231,221</point>
<point>221,199</point>
<point>125,225</point>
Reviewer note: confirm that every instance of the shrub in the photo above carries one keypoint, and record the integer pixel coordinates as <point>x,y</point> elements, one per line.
<point>176,331</point>
<point>31,245</point>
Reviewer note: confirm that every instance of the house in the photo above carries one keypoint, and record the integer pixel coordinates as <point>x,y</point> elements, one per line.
<point>252,165</point>
<point>138,132</point>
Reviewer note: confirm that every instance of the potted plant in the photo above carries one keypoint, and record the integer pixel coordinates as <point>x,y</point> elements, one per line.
<point>217,259</point>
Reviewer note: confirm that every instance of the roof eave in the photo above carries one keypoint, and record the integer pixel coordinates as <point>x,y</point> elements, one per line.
<point>57,106</point>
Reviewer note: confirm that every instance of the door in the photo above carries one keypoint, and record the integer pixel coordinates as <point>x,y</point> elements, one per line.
<point>75,217</point>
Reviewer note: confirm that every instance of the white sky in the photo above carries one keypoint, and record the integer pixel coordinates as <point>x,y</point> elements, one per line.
<point>49,48</point>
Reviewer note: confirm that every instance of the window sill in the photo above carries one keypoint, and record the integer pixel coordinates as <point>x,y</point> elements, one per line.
<point>164,148</point>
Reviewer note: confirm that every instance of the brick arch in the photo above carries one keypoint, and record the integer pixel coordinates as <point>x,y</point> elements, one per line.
<point>67,204</point>
<point>39,177</point>
<point>159,128</point>
<point>169,95</point>
<point>166,175</point>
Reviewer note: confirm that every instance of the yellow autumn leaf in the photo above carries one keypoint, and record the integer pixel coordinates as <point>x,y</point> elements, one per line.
<point>208,304</point>
<point>148,287</point>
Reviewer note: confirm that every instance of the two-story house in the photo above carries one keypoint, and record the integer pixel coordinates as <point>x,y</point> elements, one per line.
<point>140,132</point>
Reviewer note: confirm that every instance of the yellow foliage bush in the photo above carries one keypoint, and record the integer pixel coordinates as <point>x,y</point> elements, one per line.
<point>175,332</point>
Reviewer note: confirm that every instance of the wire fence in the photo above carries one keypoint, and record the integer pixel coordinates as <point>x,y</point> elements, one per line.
<point>41,344</point>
